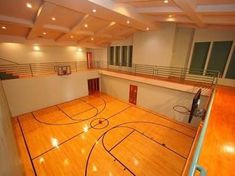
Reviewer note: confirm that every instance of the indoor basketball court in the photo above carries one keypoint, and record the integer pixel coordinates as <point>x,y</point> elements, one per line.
<point>100,135</point>
<point>117,87</point>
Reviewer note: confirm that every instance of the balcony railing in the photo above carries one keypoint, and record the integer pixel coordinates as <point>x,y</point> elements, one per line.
<point>207,77</point>
<point>13,71</point>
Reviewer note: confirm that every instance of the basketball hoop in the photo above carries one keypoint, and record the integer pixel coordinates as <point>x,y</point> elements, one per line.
<point>63,70</point>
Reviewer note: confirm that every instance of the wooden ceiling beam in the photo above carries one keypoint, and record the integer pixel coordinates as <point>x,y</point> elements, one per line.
<point>106,28</point>
<point>110,10</point>
<point>74,28</point>
<point>189,7</point>
<point>17,21</point>
<point>44,12</point>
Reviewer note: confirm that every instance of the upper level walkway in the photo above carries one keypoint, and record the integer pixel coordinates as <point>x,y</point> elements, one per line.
<point>218,152</point>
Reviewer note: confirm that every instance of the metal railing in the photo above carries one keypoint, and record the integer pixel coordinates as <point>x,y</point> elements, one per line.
<point>39,69</point>
<point>156,72</point>
<point>6,61</point>
<point>209,77</point>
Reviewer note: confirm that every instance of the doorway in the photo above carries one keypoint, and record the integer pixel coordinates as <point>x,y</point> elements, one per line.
<point>133,94</point>
<point>93,86</point>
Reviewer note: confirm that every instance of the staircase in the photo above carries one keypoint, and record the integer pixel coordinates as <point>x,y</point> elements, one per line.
<point>5,75</point>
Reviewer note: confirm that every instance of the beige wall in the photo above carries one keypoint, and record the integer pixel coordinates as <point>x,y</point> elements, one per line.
<point>128,41</point>
<point>10,163</point>
<point>182,46</point>
<point>154,47</point>
<point>29,94</point>
<point>23,53</point>
<point>155,98</point>
<point>213,35</point>
<point>100,54</point>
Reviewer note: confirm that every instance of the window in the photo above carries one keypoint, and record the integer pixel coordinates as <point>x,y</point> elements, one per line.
<point>117,55</point>
<point>111,55</point>
<point>130,56</point>
<point>213,57</point>
<point>124,55</point>
<point>199,56</point>
<point>219,56</point>
<point>231,73</point>
<point>120,55</point>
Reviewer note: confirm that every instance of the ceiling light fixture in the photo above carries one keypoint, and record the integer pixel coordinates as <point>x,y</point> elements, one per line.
<point>71,36</point>
<point>36,48</point>
<point>28,5</point>
<point>165,1</point>
<point>127,22</point>
<point>53,18</point>
<point>92,38</point>
<point>44,33</point>
<point>147,28</point>
<point>94,10</point>
<point>4,27</point>
<point>86,25</point>
<point>170,16</point>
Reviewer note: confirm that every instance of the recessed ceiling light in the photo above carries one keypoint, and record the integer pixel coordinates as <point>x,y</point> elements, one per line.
<point>71,36</point>
<point>44,33</point>
<point>147,28</point>
<point>29,5</point>
<point>170,16</point>
<point>53,18</point>
<point>170,19</point>
<point>36,48</point>
<point>127,22</point>
<point>94,10</point>
<point>4,27</point>
<point>92,38</point>
<point>165,1</point>
<point>86,25</point>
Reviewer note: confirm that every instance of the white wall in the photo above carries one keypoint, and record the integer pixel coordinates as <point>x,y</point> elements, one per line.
<point>23,53</point>
<point>156,98</point>
<point>213,35</point>
<point>128,41</point>
<point>100,54</point>
<point>10,163</point>
<point>154,47</point>
<point>29,94</point>
<point>182,46</point>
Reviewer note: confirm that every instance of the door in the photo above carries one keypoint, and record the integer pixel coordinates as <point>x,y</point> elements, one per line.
<point>93,86</point>
<point>133,94</point>
<point>89,60</point>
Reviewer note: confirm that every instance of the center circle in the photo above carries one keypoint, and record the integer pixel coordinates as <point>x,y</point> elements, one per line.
<point>99,123</point>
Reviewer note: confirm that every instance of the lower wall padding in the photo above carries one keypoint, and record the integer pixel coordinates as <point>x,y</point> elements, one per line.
<point>155,98</point>
<point>30,94</point>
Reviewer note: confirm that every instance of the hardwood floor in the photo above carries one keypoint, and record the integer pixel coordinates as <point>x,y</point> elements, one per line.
<point>218,152</point>
<point>100,135</point>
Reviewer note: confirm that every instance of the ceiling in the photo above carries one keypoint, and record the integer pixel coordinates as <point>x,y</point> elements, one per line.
<point>97,23</point>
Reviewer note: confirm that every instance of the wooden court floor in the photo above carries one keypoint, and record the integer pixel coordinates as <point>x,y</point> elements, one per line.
<point>100,135</point>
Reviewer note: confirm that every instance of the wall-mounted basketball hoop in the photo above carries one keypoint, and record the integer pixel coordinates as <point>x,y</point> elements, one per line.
<point>63,70</point>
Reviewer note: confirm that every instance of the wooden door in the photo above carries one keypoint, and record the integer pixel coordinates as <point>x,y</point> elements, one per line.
<point>89,60</point>
<point>133,94</point>
<point>93,86</point>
